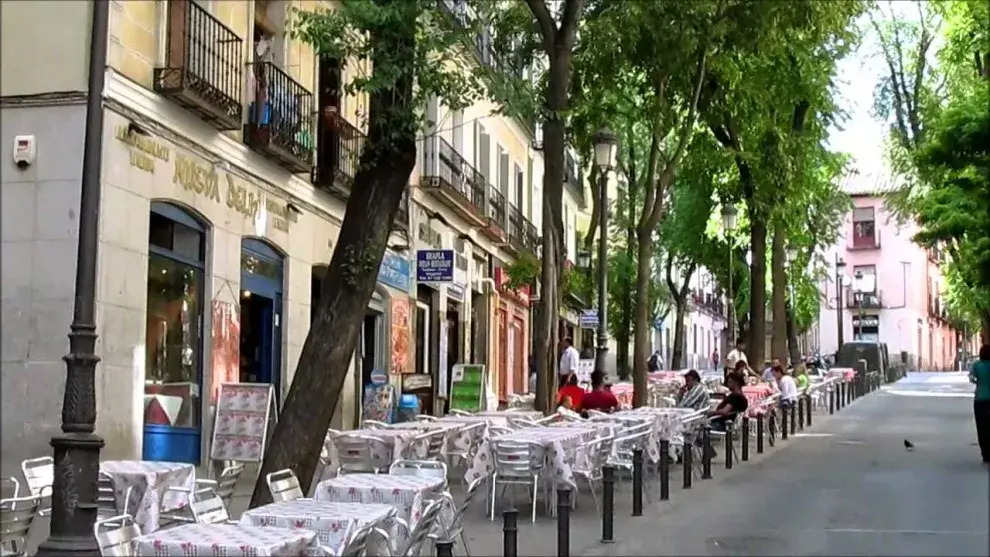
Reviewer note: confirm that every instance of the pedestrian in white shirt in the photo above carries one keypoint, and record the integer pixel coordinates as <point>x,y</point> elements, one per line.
<point>736,355</point>
<point>569,358</point>
<point>788,387</point>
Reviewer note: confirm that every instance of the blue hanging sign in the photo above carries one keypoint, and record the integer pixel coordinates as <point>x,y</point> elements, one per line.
<point>435,265</point>
<point>394,271</point>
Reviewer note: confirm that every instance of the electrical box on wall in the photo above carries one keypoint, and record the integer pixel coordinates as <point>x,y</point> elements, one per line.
<point>25,151</point>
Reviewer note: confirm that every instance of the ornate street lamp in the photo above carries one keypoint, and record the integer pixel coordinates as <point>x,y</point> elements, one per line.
<point>584,260</point>
<point>728,225</point>
<point>606,152</point>
<point>858,288</point>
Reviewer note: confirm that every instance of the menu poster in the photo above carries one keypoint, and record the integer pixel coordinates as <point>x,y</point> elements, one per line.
<point>467,390</point>
<point>241,426</point>
<point>584,369</point>
<point>401,337</point>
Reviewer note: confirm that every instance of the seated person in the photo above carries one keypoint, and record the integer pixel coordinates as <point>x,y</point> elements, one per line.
<point>570,394</point>
<point>732,405</point>
<point>788,387</point>
<point>600,398</point>
<point>801,377</point>
<point>693,395</point>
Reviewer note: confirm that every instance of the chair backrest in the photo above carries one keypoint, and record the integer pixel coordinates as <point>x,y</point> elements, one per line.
<point>40,474</point>
<point>374,424</point>
<point>517,458</point>
<point>16,516</point>
<point>422,528</point>
<point>419,468</point>
<point>637,427</point>
<point>520,423</point>
<point>207,507</point>
<point>228,481</point>
<point>473,489</point>
<point>115,534</point>
<point>361,453</point>
<point>594,456</point>
<point>9,488</point>
<point>356,542</point>
<point>425,418</point>
<point>622,447</point>
<point>496,430</point>
<point>284,485</point>
<point>428,444</point>
<point>456,412</point>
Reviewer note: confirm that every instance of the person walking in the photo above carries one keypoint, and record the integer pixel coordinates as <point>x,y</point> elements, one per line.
<point>715,358</point>
<point>979,374</point>
<point>653,364</point>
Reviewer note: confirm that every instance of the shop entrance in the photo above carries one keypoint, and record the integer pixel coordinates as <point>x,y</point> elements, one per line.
<point>261,311</point>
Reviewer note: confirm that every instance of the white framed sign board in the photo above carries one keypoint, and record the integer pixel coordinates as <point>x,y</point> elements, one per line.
<point>244,414</point>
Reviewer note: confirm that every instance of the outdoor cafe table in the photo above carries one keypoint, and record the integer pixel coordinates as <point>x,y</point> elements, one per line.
<point>151,481</point>
<point>229,540</point>
<point>332,521</point>
<point>407,494</point>
<point>561,444</point>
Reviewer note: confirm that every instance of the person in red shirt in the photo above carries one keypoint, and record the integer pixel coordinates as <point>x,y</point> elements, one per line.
<point>571,395</point>
<point>599,398</point>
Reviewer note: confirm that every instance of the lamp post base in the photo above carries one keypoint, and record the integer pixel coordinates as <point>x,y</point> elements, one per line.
<point>74,507</point>
<point>601,356</point>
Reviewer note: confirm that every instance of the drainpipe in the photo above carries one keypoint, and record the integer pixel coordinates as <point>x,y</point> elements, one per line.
<point>492,330</point>
<point>77,448</point>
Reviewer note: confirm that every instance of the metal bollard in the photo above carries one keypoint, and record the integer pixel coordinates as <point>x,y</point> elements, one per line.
<point>445,548</point>
<point>664,469</point>
<point>783,423</point>
<point>706,454</point>
<point>793,416</point>
<point>831,401</point>
<point>608,504</point>
<point>759,434</point>
<point>728,446</point>
<point>843,393</point>
<point>637,504</point>
<point>687,460</point>
<point>563,522</point>
<point>808,409</point>
<point>800,413</point>
<point>510,532</point>
<point>745,438</point>
<point>772,425</point>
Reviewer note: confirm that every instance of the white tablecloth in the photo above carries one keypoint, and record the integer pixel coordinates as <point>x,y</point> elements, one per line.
<point>332,521</point>
<point>406,493</point>
<point>561,445</point>
<point>227,540</point>
<point>150,481</point>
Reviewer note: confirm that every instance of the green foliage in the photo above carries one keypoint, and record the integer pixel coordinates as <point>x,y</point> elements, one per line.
<point>523,272</point>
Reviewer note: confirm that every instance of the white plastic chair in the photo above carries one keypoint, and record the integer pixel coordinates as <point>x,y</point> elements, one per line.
<point>16,516</point>
<point>40,475</point>
<point>517,463</point>
<point>115,534</point>
<point>284,486</point>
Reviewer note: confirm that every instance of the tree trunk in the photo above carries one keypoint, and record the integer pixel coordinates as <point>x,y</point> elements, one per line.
<point>758,288</point>
<point>644,277</point>
<point>382,177</point>
<point>985,327</point>
<point>677,354</point>
<point>792,336</point>
<point>778,271</point>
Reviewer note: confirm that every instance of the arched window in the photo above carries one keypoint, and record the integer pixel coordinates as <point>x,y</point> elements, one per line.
<point>174,344</point>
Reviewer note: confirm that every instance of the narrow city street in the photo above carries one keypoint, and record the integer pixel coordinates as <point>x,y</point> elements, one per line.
<point>847,487</point>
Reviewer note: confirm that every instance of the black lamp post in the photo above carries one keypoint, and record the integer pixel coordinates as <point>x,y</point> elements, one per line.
<point>840,267</point>
<point>77,449</point>
<point>606,150</point>
<point>728,225</point>
<point>858,292</point>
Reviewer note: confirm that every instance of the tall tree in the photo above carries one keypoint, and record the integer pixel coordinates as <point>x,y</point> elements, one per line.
<point>411,50</point>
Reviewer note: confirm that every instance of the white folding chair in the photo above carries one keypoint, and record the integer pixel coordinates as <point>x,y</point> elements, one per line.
<point>115,534</point>
<point>40,475</point>
<point>517,463</point>
<point>284,485</point>
<point>16,516</point>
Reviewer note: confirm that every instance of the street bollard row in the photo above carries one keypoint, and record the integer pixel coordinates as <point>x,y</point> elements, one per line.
<point>793,418</point>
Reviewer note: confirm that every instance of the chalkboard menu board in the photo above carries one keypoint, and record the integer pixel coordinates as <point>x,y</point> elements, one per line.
<point>467,389</point>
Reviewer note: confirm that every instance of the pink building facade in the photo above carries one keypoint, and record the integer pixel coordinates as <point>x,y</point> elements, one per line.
<point>902,301</point>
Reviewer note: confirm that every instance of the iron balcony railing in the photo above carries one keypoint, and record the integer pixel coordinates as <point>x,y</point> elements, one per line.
<point>516,225</point>
<point>280,117</point>
<point>203,68</point>
<point>532,237</point>
<point>343,153</point>
<point>453,170</point>
<point>496,206</point>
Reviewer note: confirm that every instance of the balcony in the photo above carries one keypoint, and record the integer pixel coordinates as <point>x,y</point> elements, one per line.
<point>496,224</point>
<point>453,181</point>
<point>871,300</point>
<point>864,237</point>
<point>522,234</point>
<point>573,179</point>
<point>280,118</point>
<point>337,156</point>
<point>203,69</point>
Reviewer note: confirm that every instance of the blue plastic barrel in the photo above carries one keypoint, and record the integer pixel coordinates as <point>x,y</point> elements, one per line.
<point>171,444</point>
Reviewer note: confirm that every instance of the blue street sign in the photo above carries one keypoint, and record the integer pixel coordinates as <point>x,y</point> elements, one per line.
<point>435,265</point>
<point>588,319</point>
<point>394,272</point>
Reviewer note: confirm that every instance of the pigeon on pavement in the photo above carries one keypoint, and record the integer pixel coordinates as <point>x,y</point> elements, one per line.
<point>908,445</point>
